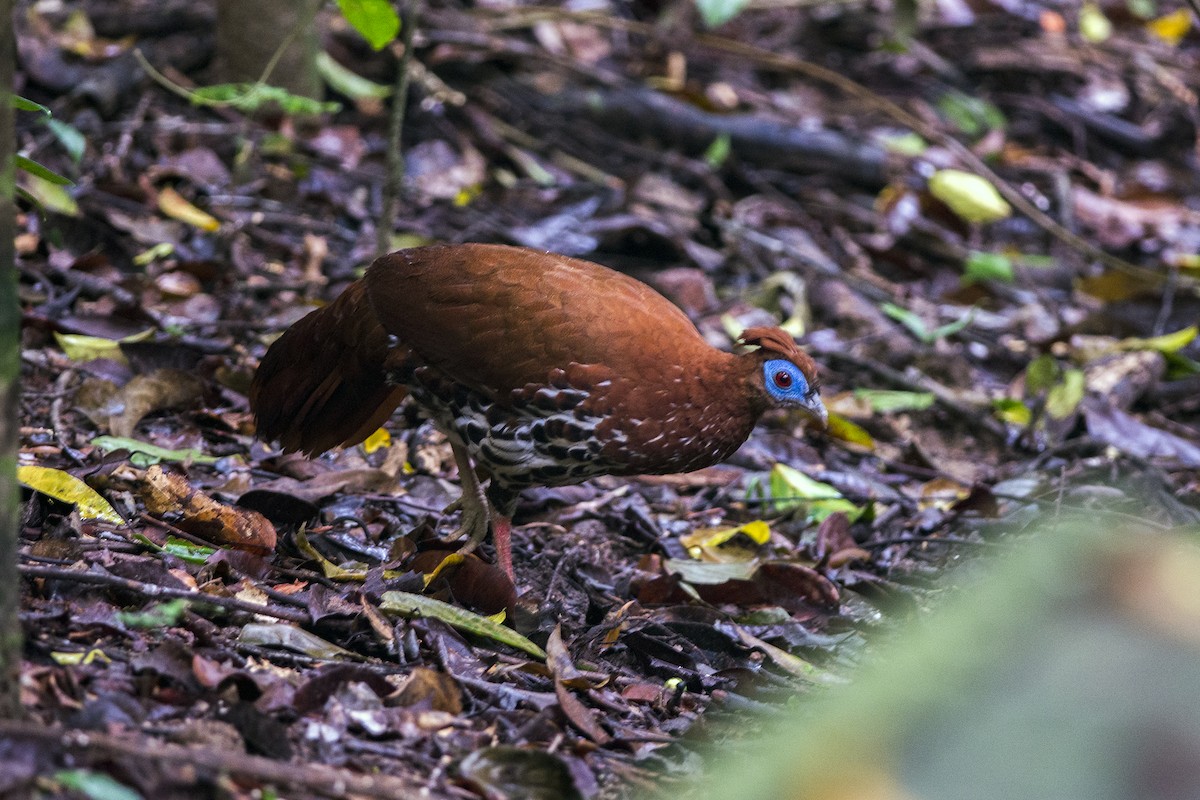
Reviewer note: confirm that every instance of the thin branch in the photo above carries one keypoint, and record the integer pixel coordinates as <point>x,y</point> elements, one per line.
<point>324,780</point>
<point>395,153</point>
<point>155,591</point>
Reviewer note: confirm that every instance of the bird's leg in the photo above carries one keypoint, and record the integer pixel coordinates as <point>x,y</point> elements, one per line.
<point>472,503</point>
<point>476,514</point>
<point>501,536</point>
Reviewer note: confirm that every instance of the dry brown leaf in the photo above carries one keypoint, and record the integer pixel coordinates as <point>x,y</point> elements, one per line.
<point>119,410</point>
<point>170,497</point>
<point>439,689</point>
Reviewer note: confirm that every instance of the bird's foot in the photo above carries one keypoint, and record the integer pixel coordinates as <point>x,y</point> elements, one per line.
<point>472,503</point>
<point>477,516</point>
<point>473,526</point>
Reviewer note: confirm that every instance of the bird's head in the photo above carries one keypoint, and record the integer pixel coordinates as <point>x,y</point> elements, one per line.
<point>786,375</point>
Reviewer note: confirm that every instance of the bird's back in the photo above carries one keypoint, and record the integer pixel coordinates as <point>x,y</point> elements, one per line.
<point>498,318</point>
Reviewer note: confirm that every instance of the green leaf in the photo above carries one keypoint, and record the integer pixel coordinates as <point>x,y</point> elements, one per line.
<point>884,401</point>
<point>718,152</point>
<point>188,551</point>
<point>376,20</point>
<point>718,12</point>
<point>973,116</point>
<point>987,267</point>
<point>1180,366</point>
<point>916,325</point>
<point>23,104</point>
<point>1036,261</point>
<point>69,137</point>
<point>951,328</point>
<point>66,487</point>
<point>45,173</point>
<point>250,97</point>
<point>1041,374</point>
<point>1065,397</point>
<point>1012,411</point>
<point>145,454</point>
<point>971,197</point>
<point>909,319</point>
<point>1142,9</point>
<point>708,573</point>
<point>289,637</point>
<point>95,785</point>
<point>48,195</point>
<point>152,254</point>
<point>416,605</point>
<point>905,144</point>
<point>351,84</point>
<point>792,490</point>
<point>180,548</point>
<point>160,615</point>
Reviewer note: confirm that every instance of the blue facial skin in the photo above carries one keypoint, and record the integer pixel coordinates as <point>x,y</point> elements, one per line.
<point>785,382</point>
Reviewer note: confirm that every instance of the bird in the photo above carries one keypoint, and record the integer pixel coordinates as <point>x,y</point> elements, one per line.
<point>540,369</point>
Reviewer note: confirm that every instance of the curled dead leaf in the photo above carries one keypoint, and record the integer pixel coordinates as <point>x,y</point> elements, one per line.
<point>170,497</point>
<point>120,409</point>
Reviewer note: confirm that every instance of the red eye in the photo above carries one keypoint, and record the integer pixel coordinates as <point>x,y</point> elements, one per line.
<point>783,379</point>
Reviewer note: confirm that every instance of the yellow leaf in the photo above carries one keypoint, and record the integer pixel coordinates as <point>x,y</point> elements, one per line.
<point>758,531</point>
<point>969,196</point>
<point>452,560</point>
<point>173,204</point>
<point>850,432</point>
<point>332,571</point>
<point>1012,411</point>
<point>66,659</point>
<point>1167,343</point>
<point>1185,261</point>
<point>69,489</point>
<point>1111,286</point>
<point>377,441</point>
<point>1171,28</point>
<point>465,196</point>
<point>708,538</point>
<point>1093,25</point>
<point>85,348</point>
<point>942,493</point>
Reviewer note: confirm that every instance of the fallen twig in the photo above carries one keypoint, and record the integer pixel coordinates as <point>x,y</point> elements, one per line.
<point>318,778</point>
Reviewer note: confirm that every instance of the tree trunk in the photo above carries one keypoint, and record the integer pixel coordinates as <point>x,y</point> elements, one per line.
<point>10,387</point>
<point>249,34</point>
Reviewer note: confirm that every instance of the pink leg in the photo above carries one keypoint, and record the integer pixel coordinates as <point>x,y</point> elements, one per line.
<point>501,536</point>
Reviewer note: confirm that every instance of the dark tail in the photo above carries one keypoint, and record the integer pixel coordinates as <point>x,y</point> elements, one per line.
<point>324,382</point>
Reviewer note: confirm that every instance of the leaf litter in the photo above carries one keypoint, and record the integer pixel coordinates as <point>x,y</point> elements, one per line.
<point>984,372</point>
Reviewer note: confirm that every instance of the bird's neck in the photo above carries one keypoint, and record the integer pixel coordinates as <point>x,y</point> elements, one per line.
<point>705,418</point>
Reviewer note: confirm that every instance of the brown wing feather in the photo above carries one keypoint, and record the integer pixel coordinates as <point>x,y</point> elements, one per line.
<point>496,318</point>
<point>323,383</point>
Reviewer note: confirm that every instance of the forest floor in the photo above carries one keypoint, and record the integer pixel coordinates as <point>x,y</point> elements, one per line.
<point>985,370</point>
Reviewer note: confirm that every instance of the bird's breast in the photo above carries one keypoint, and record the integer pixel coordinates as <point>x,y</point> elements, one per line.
<point>584,421</point>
